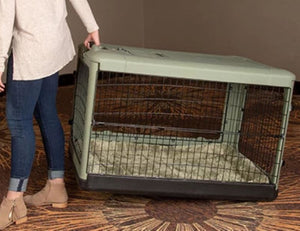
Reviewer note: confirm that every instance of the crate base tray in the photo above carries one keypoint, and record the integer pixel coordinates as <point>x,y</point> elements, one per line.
<point>179,188</point>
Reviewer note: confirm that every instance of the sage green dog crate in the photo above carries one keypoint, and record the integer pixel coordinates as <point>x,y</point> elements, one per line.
<point>172,123</point>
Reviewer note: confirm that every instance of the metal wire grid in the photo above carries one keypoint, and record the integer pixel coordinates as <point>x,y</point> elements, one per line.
<point>79,108</point>
<point>159,106</point>
<point>145,112</point>
<point>262,125</point>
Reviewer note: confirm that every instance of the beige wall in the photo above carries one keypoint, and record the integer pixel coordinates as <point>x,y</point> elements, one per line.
<point>120,22</point>
<point>264,30</point>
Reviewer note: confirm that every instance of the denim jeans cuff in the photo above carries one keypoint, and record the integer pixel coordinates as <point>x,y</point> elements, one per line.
<point>18,185</point>
<point>52,174</point>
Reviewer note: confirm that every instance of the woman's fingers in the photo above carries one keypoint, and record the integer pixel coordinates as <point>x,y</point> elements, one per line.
<point>92,37</point>
<point>86,43</point>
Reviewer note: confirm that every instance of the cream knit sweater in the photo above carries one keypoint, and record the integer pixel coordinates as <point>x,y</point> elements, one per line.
<point>40,36</point>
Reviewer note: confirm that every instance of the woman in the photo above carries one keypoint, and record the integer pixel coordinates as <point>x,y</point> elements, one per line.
<point>41,45</point>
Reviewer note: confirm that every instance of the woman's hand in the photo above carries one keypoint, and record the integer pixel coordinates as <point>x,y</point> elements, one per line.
<point>2,87</point>
<point>92,37</point>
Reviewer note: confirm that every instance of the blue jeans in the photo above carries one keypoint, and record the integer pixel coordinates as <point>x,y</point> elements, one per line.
<point>25,99</point>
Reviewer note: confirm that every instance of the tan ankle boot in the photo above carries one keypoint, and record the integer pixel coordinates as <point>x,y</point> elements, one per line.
<point>12,211</point>
<point>54,194</point>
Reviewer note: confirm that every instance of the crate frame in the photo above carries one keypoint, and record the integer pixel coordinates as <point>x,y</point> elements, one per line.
<point>174,187</point>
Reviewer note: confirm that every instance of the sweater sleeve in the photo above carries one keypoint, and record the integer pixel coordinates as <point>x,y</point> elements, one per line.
<point>7,18</point>
<point>85,13</point>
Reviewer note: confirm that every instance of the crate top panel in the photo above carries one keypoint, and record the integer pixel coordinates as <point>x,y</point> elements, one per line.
<point>233,69</point>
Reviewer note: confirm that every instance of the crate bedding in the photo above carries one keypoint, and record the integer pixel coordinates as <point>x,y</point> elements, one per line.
<point>197,161</point>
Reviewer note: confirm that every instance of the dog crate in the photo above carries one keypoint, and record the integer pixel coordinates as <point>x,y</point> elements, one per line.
<point>172,123</point>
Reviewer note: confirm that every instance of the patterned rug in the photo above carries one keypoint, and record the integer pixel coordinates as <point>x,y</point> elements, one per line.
<point>89,210</point>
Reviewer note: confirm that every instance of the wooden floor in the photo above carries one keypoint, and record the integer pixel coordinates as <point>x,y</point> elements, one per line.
<point>105,211</point>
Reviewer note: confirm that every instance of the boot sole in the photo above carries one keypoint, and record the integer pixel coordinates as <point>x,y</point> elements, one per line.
<point>21,220</point>
<point>18,222</point>
<point>54,205</point>
<point>60,205</point>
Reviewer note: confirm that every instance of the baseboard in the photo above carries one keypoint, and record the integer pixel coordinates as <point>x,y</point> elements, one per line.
<point>297,88</point>
<point>66,79</point>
